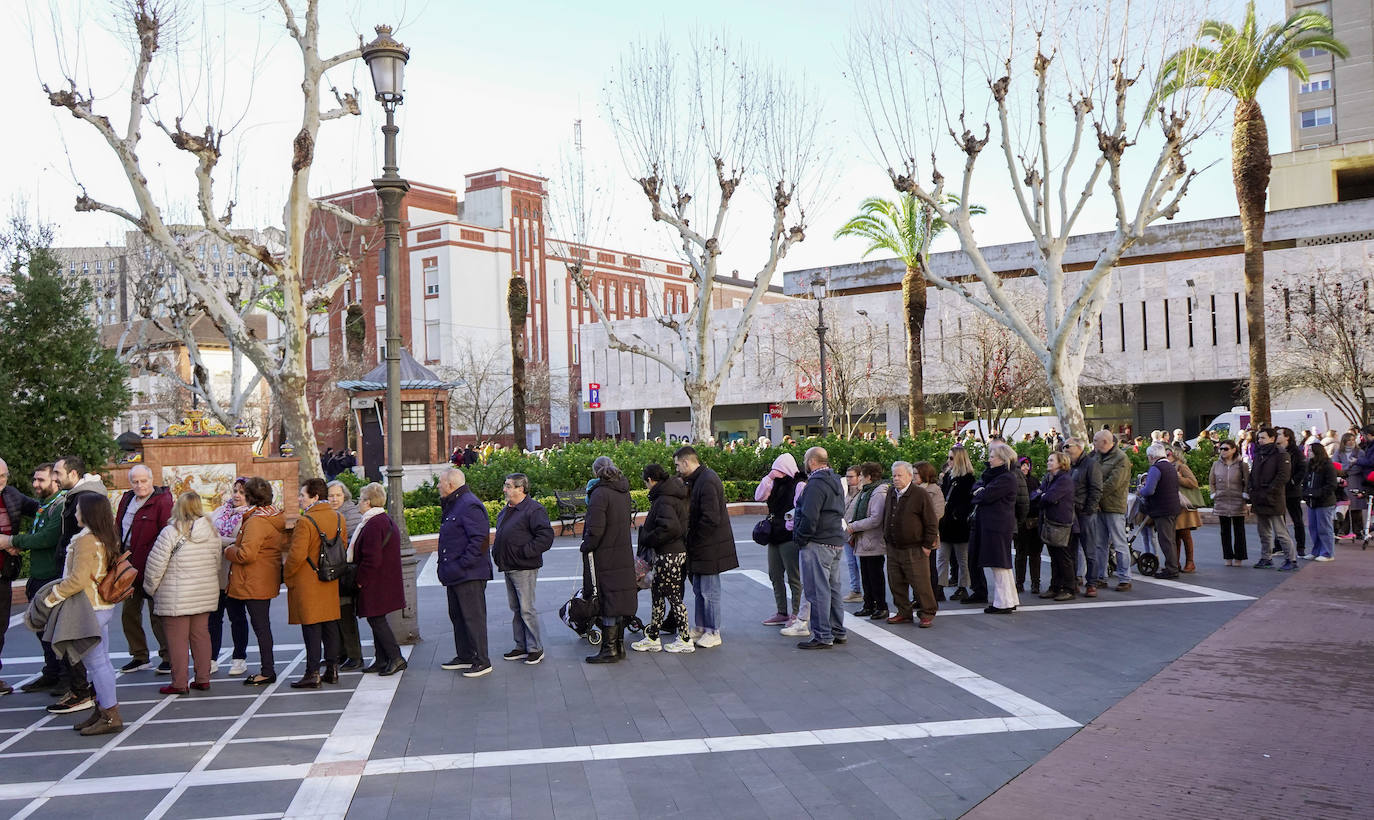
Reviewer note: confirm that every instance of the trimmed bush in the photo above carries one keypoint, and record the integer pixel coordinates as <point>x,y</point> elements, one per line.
<point>423,520</point>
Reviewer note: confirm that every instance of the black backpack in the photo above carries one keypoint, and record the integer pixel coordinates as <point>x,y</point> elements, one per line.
<point>331,562</point>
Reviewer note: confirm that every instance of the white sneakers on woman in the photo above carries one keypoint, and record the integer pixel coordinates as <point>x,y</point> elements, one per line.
<point>797,629</point>
<point>238,667</point>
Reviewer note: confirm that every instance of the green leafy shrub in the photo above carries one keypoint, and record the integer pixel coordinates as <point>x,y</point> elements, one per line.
<point>423,520</point>
<point>354,483</point>
<point>427,494</point>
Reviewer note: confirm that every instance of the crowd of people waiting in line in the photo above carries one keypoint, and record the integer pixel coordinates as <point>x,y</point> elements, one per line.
<point>905,534</point>
<point>193,568</point>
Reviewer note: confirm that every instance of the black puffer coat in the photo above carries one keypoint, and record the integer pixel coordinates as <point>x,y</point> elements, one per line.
<point>665,525</point>
<point>710,540</point>
<point>995,524</point>
<point>606,538</point>
<point>958,504</point>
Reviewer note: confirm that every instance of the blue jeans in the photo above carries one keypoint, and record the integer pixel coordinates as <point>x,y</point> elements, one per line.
<point>1111,536</point>
<point>851,561</point>
<point>524,617</point>
<point>98,664</point>
<point>1321,528</point>
<point>706,592</point>
<point>820,570</point>
<point>1089,547</point>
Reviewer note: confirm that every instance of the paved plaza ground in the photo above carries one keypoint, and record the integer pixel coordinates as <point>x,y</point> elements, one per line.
<point>899,722</point>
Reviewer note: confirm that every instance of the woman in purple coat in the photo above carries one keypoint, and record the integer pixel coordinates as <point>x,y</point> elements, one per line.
<point>375,549</point>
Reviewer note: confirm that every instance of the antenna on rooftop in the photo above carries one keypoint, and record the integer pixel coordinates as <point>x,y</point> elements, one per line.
<point>577,135</point>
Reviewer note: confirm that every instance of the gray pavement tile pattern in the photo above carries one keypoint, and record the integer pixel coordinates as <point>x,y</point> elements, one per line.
<point>757,683</point>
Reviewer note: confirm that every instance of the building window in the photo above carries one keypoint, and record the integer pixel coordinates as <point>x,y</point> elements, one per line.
<point>432,341</point>
<point>1310,53</point>
<point>1315,117</point>
<point>736,303</point>
<point>379,325</point>
<point>1168,336</point>
<point>431,281</point>
<point>1144,326</point>
<point>319,341</point>
<point>1320,81</point>
<point>1237,295</point>
<point>1214,320</point>
<point>381,288</point>
<point>413,417</point>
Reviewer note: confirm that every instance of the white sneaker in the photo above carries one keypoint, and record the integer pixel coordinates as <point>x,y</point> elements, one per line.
<point>647,645</point>
<point>853,597</point>
<point>797,629</point>
<point>709,640</point>
<point>696,632</point>
<point>214,667</point>
<point>1323,558</point>
<point>238,667</point>
<point>680,646</point>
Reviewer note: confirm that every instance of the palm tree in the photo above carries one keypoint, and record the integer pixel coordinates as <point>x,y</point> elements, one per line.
<point>517,310</point>
<point>905,229</point>
<point>1237,62</point>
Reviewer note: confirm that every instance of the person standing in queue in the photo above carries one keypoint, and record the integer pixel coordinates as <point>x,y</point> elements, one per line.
<point>464,569</point>
<point>310,602</point>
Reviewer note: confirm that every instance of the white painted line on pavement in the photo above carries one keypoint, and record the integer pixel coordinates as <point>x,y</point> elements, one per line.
<point>1002,697</point>
<point>706,745</point>
<point>339,765</point>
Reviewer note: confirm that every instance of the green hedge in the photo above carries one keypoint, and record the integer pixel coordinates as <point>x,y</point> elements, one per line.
<point>570,468</point>
<point>425,520</point>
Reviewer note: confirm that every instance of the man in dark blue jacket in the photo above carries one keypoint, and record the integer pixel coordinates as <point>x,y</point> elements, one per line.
<point>1159,501</point>
<point>464,569</point>
<point>523,535</point>
<point>818,526</point>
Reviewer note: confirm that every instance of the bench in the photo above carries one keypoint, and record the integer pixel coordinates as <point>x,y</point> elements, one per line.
<point>572,508</point>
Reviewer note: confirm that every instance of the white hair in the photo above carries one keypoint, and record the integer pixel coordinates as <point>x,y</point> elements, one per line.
<point>1003,451</point>
<point>144,467</point>
<point>453,476</point>
<point>1157,451</point>
<point>905,465</point>
<point>374,494</point>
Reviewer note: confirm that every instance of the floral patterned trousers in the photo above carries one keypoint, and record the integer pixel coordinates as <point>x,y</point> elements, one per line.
<point>667,594</point>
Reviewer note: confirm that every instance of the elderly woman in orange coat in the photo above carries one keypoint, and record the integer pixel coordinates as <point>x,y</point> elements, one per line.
<point>255,569</point>
<point>310,602</point>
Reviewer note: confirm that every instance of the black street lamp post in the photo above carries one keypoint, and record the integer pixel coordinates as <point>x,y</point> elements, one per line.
<point>387,59</point>
<point>818,288</point>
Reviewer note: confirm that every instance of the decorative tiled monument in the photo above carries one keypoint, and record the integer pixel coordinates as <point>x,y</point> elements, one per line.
<point>200,454</point>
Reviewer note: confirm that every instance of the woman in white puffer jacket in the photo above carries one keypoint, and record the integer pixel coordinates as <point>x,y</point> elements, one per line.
<point>182,577</point>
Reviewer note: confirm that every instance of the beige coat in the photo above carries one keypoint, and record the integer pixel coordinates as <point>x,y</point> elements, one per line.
<point>187,582</point>
<point>86,565</point>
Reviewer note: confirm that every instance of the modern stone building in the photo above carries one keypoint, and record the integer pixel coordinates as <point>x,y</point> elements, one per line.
<point>1172,331</point>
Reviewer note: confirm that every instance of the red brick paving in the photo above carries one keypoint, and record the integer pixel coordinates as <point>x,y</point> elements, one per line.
<point>1272,716</point>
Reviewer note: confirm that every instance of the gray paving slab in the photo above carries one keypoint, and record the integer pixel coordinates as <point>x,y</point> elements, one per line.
<point>262,798</point>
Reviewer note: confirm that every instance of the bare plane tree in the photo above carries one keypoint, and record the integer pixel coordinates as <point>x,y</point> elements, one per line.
<point>283,365</point>
<point>1051,89</point>
<point>162,304</point>
<point>1327,322</point>
<point>694,131</point>
<point>862,376</point>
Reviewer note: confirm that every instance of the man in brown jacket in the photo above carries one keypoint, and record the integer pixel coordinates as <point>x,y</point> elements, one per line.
<point>911,529</point>
<point>310,602</point>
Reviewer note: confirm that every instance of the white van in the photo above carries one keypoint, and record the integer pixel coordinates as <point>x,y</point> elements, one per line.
<point>1229,425</point>
<point>1013,429</point>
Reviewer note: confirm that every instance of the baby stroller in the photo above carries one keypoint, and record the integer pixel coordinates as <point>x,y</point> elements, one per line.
<point>1146,562</point>
<point>582,612</point>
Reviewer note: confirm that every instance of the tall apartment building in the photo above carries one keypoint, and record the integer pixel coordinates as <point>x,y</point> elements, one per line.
<point>1331,115</point>
<point>459,253</point>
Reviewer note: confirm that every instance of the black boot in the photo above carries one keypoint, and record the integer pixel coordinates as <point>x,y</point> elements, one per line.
<point>609,652</point>
<point>620,637</point>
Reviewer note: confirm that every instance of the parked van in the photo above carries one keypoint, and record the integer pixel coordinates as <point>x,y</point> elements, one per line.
<point>1013,429</point>
<point>1229,425</point>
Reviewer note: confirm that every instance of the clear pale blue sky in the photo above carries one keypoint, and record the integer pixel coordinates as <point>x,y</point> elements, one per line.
<point>488,84</point>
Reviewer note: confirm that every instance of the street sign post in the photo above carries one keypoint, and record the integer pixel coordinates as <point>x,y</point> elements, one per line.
<point>593,396</point>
